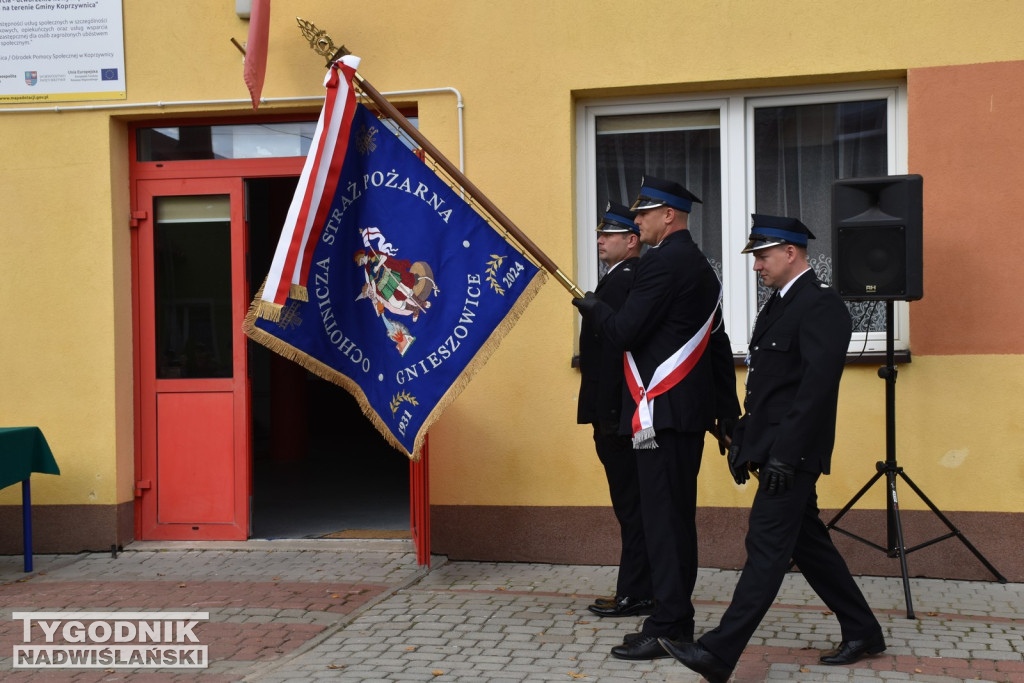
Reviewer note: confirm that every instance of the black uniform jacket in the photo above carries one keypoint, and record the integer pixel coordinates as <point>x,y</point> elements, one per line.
<point>674,292</point>
<point>600,362</point>
<point>797,352</point>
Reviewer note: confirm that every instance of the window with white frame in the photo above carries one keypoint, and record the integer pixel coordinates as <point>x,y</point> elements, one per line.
<point>774,152</point>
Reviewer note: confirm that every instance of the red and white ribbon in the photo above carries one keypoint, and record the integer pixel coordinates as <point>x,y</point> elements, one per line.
<point>671,371</point>
<point>314,193</point>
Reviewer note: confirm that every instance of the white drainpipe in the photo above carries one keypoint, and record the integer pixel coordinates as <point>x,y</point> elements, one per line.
<point>263,100</point>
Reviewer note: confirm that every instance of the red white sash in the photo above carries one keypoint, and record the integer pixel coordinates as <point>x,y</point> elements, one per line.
<point>671,371</point>
<point>311,202</point>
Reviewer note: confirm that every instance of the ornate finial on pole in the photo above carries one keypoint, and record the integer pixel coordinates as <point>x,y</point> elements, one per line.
<point>321,42</point>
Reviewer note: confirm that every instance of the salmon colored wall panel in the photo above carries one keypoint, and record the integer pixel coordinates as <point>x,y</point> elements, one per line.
<point>966,138</point>
<point>195,458</point>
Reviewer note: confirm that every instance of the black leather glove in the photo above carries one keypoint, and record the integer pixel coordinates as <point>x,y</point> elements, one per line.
<point>740,472</point>
<point>587,304</point>
<point>723,432</point>
<point>777,476</point>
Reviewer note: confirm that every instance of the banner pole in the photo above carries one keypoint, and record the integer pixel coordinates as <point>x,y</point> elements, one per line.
<point>392,112</point>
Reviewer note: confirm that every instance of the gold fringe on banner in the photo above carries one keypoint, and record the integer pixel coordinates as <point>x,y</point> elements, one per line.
<point>480,358</point>
<point>298,292</point>
<point>267,310</point>
<point>328,373</point>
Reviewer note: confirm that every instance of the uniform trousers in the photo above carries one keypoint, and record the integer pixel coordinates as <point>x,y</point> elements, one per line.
<point>787,525</point>
<point>616,454</point>
<point>668,498</point>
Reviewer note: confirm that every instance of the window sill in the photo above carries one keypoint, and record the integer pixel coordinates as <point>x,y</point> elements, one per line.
<point>867,358</point>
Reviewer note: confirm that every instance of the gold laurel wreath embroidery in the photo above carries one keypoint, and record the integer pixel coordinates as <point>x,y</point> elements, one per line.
<point>402,396</point>
<point>365,141</point>
<point>492,270</point>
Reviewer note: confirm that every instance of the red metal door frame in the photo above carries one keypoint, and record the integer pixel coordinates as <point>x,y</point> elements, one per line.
<point>153,392</point>
<point>419,480</point>
<point>178,172</point>
<point>419,504</point>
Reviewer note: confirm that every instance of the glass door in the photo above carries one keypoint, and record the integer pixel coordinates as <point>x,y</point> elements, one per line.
<point>194,475</point>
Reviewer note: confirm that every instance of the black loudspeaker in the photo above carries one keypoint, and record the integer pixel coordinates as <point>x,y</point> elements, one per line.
<point>877,239</point>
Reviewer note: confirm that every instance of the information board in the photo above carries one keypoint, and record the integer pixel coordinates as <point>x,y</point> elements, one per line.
<point>61,50</point>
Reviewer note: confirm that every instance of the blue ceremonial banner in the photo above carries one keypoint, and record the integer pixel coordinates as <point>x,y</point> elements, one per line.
<point>408,290</point>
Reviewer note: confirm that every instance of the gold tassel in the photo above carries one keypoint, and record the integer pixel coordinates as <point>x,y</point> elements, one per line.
<point>268,310</point>
<point>298,292</point>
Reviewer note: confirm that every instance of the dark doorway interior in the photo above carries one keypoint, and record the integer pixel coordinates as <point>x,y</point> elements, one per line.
<point>320,469</point>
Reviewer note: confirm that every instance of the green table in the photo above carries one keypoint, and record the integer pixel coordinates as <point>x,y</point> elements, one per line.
<point>23,450</point>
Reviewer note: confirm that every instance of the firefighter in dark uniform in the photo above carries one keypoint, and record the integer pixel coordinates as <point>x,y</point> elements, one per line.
<point>682,380</point>
<point>600,405</point>
<point>797,352</point>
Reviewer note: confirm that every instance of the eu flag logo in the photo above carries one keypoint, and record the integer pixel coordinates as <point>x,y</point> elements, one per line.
<point>108,74</point>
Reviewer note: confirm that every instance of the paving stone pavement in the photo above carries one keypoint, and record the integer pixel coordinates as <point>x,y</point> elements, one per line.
<point>359,610</point>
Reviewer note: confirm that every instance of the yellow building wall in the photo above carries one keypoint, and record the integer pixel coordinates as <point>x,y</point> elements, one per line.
<point>65,284</point>
<point>521,66</point>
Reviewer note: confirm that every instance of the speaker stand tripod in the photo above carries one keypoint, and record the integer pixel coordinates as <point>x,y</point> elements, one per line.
<point>890,469</point>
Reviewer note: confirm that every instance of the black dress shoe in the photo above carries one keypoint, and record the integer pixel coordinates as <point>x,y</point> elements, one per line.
<point>849,651</point>
<point>605,602</point>
<point>625,607</point>
<point>644,647</point>
<point>693,656</point>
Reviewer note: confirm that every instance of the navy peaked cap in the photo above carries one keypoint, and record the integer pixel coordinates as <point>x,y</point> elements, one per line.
<point>770,231</point>
<point>655,192</point>
<point>618,218</point>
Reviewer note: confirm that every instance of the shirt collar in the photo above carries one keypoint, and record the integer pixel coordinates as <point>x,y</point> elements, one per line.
<point>785,288</point>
